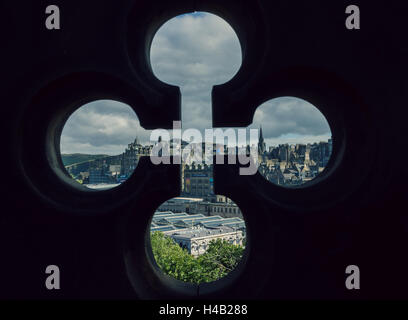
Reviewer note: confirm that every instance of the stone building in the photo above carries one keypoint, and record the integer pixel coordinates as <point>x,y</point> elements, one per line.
<point>291,165</point>
<point>197,241</point>
<point>100,175</point>
<point>131,156</point>
<point>180,204</point>
<point>222,206</point>
<point>198,181</point>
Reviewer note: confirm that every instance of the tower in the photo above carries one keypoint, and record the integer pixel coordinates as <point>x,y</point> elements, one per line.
<point>261,143</point>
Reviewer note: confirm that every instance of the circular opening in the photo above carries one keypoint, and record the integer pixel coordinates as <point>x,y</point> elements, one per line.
<point>295,141</point>
<point>196,240</point>
<point>196,51</point>
<point>101,144</point>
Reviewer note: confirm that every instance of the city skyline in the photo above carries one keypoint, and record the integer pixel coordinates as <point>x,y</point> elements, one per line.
<point>268,145</point>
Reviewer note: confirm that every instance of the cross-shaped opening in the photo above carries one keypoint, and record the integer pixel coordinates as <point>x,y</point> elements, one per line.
<point>198,237</point>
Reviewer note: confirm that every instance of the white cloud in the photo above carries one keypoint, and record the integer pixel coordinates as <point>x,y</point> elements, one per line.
<point>102,126</point>
<point>290,119</point>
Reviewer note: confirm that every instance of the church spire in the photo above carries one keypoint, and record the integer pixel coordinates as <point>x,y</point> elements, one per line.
<point>261,143</point>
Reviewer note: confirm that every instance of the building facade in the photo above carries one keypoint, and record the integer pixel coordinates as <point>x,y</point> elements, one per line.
<point>197,241</point>
<point>198,181</point>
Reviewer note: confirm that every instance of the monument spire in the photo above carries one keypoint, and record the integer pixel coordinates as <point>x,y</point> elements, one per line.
<point>261,142</point>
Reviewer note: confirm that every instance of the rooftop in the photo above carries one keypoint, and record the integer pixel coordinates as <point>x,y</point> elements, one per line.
<point>202,232</point>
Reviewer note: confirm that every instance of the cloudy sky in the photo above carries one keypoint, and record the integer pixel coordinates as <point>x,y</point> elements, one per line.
<point>194,52</point>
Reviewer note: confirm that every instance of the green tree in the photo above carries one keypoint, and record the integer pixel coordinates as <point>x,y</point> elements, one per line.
<point>220,258</point>
<point>171,258</point>
<point>221,255</point>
